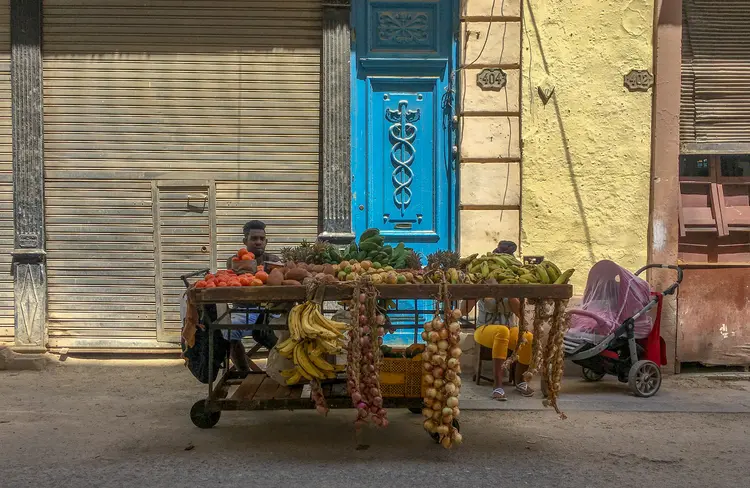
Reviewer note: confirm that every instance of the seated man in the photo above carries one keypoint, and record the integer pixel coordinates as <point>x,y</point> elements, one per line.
<point>255,240</point>
<point>496,329</point>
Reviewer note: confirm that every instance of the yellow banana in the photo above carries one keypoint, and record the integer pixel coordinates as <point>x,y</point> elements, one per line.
<point>294,379</point>
<point>304,373</point>
<point>288,373</point>
<point>485,270</point>
<point>304,362</point>
<point>320,363</point>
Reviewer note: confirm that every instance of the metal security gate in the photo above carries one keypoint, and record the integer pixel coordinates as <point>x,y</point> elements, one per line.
<point>221,92</point>
<point>6,180</point>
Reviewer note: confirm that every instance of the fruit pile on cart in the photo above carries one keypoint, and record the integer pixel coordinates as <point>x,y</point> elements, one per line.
<point>341,361</point>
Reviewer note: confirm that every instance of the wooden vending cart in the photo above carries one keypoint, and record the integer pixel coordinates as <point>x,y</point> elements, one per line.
<point>235,390</point>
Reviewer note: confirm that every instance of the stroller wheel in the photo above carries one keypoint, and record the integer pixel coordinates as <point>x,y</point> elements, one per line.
<point>591,375</point>
<point>644,378</point>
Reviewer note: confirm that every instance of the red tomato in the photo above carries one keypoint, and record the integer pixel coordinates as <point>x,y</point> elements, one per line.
<point>210,284</point>
<point>200,284</point>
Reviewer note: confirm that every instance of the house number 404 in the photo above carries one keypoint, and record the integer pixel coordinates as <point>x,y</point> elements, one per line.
<point>492,79</point>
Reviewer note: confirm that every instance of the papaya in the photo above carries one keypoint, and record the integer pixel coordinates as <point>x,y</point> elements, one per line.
<point>296,274</point>
<point>291,283</point>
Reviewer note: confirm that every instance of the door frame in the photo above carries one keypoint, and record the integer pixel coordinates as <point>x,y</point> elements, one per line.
<point>161,334</point>
<point>357,124</point>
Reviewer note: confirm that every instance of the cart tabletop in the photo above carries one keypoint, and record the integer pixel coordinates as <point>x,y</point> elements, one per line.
<point>344,291</point>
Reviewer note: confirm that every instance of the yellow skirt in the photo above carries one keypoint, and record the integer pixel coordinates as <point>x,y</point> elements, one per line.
<point>501,339</point>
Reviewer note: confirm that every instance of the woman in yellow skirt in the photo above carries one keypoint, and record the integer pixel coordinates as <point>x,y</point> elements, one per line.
<point>497,330</point>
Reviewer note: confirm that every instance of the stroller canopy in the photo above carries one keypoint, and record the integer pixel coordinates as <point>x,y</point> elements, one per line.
<point>613,294</point>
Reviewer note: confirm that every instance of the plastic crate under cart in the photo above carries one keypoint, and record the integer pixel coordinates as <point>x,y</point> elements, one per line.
<point>402,377</point>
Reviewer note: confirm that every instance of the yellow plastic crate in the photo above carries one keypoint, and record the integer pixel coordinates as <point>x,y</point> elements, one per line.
<point>402,377</point>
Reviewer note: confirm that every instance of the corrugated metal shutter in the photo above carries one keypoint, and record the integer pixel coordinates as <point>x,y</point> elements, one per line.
<point>142,90</point>
<point>716,65</point>
<point>6,179</point>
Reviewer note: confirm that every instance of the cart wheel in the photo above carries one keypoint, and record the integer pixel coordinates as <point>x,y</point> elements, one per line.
<point>591,375</point>
<point>415,410</point>
<point>644,378</point>
<point>436,437</point>
<point>202,418</point>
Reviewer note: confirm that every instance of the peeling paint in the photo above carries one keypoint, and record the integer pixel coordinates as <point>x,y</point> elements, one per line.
<point>659,236</point>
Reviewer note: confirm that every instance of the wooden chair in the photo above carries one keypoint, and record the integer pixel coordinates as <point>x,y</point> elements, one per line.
<point>483,354</point>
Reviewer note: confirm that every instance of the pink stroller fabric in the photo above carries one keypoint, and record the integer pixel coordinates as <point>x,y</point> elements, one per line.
<point>612,295</point>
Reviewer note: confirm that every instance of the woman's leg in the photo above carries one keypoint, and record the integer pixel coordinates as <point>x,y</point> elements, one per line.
<point>495,337</point>
<point>522,365</point>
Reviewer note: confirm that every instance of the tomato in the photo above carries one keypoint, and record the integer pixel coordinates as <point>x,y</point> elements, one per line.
<point>256,282</point>
<point>247,257</point>
<point>200,284</point>
<point>221,284</point>
<point>262,276</point>
<point>245,281</point>
<point>209,276</point>
<point>210,284</point>
<point>235,259</point>
<point>242,252</point>
<point>252,256</point>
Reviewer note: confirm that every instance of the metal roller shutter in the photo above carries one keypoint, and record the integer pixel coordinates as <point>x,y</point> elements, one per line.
<point>715,100</point>
<point>6,179</point>
<point>140,94</point>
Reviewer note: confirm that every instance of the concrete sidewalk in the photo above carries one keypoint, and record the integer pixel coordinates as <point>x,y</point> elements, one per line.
<point>678,394</point>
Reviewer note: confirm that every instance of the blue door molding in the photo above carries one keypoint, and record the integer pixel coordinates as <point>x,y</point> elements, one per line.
<point>403,167</point>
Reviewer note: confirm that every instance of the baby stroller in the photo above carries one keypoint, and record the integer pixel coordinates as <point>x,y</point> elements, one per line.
<point>614,333</point>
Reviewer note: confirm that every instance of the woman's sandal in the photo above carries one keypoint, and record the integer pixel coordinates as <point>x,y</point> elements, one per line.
<point>499,395</point>
<point>524,389</point>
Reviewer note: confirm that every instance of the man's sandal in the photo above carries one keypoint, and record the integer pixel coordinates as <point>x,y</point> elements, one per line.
<point>499,395</point>
<point>524,389</point>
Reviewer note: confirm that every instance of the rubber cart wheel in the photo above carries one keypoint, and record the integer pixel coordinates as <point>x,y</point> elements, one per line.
<point>436,437</point>
<point>202,418</point>
<point>591,375</point>
<point>644,378</point>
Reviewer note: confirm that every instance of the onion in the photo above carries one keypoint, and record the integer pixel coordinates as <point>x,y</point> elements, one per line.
<point>428,327</point>
<point>429,379</point>
<point>437,324</point>
<point>450,389</point>
<point>385,423</point>
<point>426,355</point>
<point>446,442</point>
<point>377,420</point>
<point>456,352</point>
<point>382,412</point>
<point>365,341</point>
<point>443,345</point>
<point>425,335</point>
<point>366,330</point>
<point>434,336</point>
<point>452,402</point>
<point>428,402</point>
<point>378,402</point>
<point>454,327</point>
<point>432,348</point>
<point>362,309</point>
<point>447,411</point>
<point>442,429</point>
<point>438,383</point>
<point>448,419</point>
<point>321,410</point>
<point>452,363</point>
<point>456,314</point>
<point>361,413</point>
<point>437,372</point>
<point>457,381</point>
<point>437,406</point>
<point>429,425</point>
<point>374,391</point>
<point>428,412</point>
<point>450,375</point>
<point>440,396</point>
<point>427,366</point>
<point>362,298</point>
<point>362,319</point>
<point>457,438</point>
<point>444,334</point>
<point>380,341</point>
<point>438,360</point>
<point>380,319</point>
<point>456,412</point>
<point>356,397</point>
<point>437,416</point>
<point>454,340</point>
<point>430,392</point>
<point>374,410</point>
<point>381,331</point>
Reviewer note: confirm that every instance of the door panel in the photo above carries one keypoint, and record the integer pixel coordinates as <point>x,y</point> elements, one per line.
<point>185,229</point>
<point>403,166</point>
<point>403,169</point>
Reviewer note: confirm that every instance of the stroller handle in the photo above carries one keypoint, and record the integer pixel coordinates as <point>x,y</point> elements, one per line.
<point>675,285</point>
<point>200,272</point>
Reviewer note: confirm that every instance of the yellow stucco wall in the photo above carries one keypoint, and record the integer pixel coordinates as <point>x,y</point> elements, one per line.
<point>586,153</point>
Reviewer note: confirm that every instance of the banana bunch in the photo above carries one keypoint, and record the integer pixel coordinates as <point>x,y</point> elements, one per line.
<point>506,269</point>
<point>311,337</point>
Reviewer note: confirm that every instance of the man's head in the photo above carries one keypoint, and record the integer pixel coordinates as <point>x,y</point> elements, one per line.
<point>255,237</point>
<point>505,247</point>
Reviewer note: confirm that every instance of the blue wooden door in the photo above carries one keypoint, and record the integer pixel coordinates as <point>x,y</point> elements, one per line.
<point>403,164</point>
<point>403,167</point>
